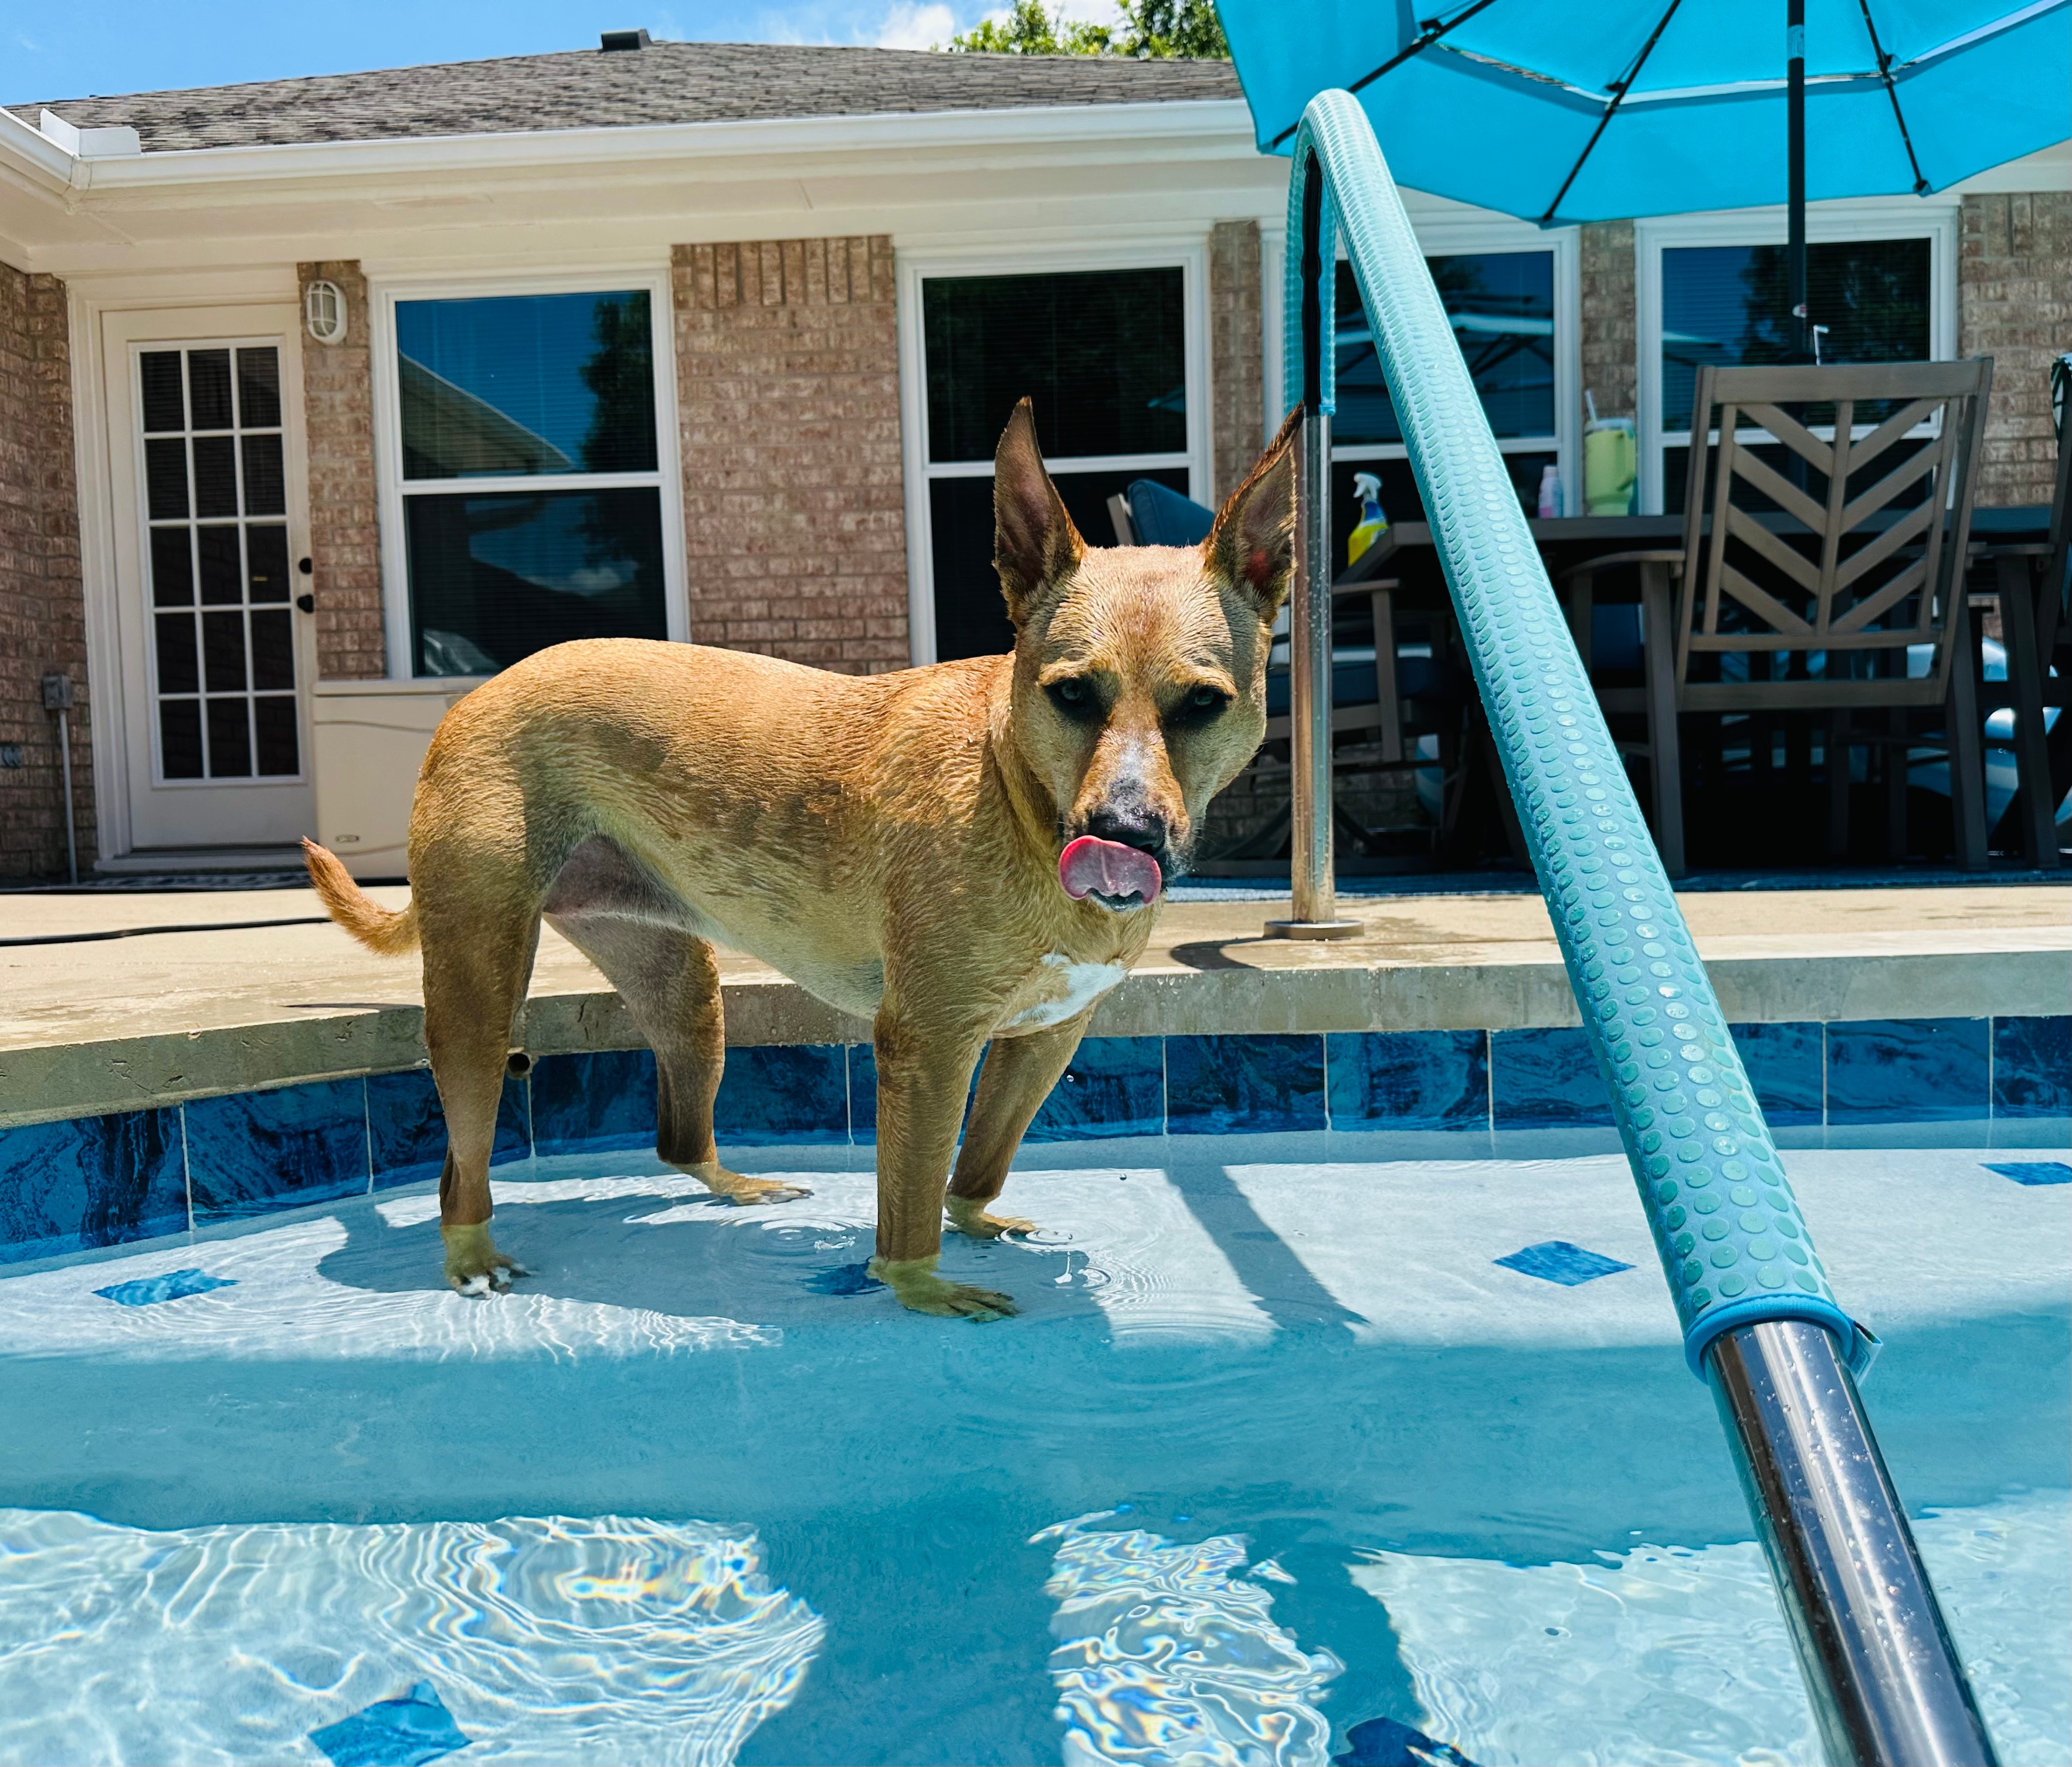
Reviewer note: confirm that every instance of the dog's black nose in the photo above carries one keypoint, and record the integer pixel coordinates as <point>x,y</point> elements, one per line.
<point>1130,827</point>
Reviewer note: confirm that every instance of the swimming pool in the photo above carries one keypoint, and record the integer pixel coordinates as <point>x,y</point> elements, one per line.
<point>1301,1449</point>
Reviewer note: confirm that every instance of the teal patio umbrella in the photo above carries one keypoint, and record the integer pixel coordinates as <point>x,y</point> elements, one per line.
<point>1561,112</point>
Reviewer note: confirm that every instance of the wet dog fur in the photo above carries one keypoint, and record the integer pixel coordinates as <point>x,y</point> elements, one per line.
<point>890,842</point>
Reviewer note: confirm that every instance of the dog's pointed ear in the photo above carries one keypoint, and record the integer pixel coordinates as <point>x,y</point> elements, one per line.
<point>1253,541</point>
<point>1034,543</point>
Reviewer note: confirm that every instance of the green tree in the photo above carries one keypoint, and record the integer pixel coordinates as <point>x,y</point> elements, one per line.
<point>1157,30</point>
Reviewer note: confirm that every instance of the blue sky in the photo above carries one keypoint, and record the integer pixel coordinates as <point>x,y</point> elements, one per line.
<point>119,46</point>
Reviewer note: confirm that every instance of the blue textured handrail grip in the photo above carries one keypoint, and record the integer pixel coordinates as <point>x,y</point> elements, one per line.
<point>1727,1227</point>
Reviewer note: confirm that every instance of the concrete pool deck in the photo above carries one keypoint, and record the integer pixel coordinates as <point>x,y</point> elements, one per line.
<point>114,1010</point>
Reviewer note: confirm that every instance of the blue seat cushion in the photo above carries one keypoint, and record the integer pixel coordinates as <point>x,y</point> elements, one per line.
<point>1162,517</point>
<point>1352,683</point>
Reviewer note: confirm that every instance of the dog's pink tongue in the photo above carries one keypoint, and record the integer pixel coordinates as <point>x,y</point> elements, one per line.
<point>1089,865</point>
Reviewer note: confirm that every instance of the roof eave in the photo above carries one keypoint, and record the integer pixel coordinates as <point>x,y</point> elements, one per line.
<point>1032,126</point>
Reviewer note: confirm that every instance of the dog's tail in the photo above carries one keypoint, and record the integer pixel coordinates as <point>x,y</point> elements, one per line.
<point>387,931</point>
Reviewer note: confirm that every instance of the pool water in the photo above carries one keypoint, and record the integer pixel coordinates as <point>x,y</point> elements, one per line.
<point>1301,1450</point>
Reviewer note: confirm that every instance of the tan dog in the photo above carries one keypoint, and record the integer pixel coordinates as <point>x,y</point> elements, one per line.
<point>964,853</point>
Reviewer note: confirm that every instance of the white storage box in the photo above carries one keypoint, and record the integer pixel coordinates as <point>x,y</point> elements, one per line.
<point>370,738</point>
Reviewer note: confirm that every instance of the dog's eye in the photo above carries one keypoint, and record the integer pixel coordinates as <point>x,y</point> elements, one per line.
<point>1073,697</point>
<point>1200,706</point>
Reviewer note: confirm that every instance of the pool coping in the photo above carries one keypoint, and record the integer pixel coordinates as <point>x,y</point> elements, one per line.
<point>66,1078</point>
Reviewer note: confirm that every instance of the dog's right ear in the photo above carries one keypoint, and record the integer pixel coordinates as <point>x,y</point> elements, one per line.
<point>1253,541</point>
<point>1034,543</point>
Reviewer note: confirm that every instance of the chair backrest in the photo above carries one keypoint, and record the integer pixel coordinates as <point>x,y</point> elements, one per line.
<point>1856,546</point>
<point>1162,517</point>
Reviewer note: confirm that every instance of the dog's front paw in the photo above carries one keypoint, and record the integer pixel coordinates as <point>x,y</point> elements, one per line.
<point>474,1265</point>
<point>743,1192</point>
<point>972,1219</point>
<point>914,1281</point>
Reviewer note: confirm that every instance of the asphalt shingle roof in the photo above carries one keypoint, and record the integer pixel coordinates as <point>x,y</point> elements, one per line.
<point>664,83</point>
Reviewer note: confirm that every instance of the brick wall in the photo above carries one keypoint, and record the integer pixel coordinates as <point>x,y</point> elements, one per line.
<point>2014,292</point>
<point>345,541</point>
<point>42,608</point>
<point>787,375</point>
<point>1237,393</point>
<point>1610,330</point>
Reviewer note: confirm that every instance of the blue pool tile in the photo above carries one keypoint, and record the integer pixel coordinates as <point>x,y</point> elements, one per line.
<point>1382,1742</point>
<point>2032,1067</point>
<point>1546,1079</point>
<point>846,1279</point>
<point>252,1152</point>
<point>1244,1085</point>
<point>1555,1260</point>
<point>589,1103</point>
<point>90,1181</point>
<point>783,1093</point>
<point>1408,1079</point>
<point>174,1285</point>
<point>1784,1066</point>
<point>1906,1070</point>
<point>2032,1171</point>
<point>1115,1086</point>
<point>407,1131</point>
<point>405,1732</point>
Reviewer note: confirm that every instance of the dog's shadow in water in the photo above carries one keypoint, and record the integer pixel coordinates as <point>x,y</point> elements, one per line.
<point>780,1265</point>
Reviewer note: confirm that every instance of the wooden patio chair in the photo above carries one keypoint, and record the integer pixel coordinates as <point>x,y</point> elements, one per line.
<point>1883,518</point>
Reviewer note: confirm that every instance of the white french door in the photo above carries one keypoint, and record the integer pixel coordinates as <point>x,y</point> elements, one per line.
<point>204,429</point>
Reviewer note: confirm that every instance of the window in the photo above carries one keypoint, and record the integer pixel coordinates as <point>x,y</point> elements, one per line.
<point>1502,305</point>
<point>223,642</point>
<point>1103,354</point>
<point>530,479</point>
<point>1872,299</point>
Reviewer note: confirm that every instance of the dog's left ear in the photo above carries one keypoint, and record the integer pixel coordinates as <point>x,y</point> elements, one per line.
<point>1253,541</point>
<point>1034,543</point>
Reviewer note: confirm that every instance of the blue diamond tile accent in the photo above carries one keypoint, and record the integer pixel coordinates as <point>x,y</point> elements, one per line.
<point>1382,1742</point>
<point>848,1278</point>
<point>1555,1260</point>
<point>174,1285</point>
<point>404,1733</point>
<point>2032,1171</point>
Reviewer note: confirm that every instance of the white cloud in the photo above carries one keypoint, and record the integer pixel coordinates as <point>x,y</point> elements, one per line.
<point>912,24</point>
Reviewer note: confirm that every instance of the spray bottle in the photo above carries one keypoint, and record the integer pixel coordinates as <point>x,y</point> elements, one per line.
<point>1372,524</point>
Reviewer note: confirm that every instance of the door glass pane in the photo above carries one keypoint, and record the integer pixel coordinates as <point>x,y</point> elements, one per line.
<point>215,475</point>
<point>1502,306</point>
<point>1727,304</point>
<point>172,567</point>
<point>228,669</point>
<point>971,616</point>
<point>159,371</point>
<point>229,737</point>
<point>494,578</point>
<point>208,389</point>
<point>1101,353</point>
<point>165,479</point>
<point>526,384</point>
<point>258,389</point>
<point>265,488</point>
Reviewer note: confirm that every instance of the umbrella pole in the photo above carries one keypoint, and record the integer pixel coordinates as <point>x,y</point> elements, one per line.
<point>1794,235</point>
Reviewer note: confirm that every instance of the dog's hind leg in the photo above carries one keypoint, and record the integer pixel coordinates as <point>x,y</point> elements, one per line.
<point>670,983</point>
<point>1020,1073</point>
<point>477,964</point>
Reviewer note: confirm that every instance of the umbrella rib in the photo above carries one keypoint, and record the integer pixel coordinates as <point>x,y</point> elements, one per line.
<point>1620,88</point>
<point>1920,185</point>
<point>1433,31</point>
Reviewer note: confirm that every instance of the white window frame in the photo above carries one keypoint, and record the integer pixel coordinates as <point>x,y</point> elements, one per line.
<point>1870,218</point>
<point>1448,236</point>
<point>390,484</point>
<point>1189,256</point>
